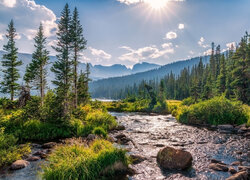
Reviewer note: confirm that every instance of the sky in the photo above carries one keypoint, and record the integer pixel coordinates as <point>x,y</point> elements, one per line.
<point>133,31</point>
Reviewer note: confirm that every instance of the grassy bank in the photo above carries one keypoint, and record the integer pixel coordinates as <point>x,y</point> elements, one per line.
<point>215,111</point>
<point>34,123</point>
<point>78,162</point>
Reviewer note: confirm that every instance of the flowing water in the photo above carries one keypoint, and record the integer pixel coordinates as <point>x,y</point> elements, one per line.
<point>151,133</point>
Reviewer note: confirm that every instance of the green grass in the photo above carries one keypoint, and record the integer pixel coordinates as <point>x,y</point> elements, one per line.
<point>9,150</point>
<point>218,110</point>
<point>71,162</point>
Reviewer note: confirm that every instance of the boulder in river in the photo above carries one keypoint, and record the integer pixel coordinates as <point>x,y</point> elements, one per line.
<point>170,158</point>
<point>19,164</point>
<point>232,170</point>
<point>226,128</point>
<point>239,176</point>
<point>218,167</point>
<point>33,158</point>
<point>49,145</point>
<point>136,159</point>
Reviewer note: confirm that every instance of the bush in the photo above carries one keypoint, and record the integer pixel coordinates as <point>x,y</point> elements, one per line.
<point>188,101</point>
<point>9,151</point>
<point>70,162</point>
<point>100,132</point>
<point>218,110</point>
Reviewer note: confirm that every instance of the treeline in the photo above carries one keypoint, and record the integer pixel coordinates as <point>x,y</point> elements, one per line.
<point>227,74</point>
<point>71,87</point>
<point>116,87</point>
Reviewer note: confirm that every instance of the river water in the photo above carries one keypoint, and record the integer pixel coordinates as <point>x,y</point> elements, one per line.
<point>151,133</point>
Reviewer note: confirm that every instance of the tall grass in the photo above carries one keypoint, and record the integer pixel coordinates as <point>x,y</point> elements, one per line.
<point>70,162</point>
<point>215,111</point>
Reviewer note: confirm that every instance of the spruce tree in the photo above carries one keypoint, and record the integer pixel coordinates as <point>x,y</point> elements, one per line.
<point>10,63</point>
<point>241,81</point>
<point>79,44</point>
<point>221,81</point>
<point>63,66</point>
<point>36,71</point>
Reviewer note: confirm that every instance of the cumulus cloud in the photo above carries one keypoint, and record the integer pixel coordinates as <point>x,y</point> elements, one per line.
<point>99,53</point>
<point>27,16</point>
<point>201,42</point>
<point>207,52</point>
<point>8,3</point>
<point>145,53</point>
<point>231,45</point>
<point>171,35</point>
<point>129,2</point>
<point>1,36</point>
<point>191,52</point>
<point>181,26</point>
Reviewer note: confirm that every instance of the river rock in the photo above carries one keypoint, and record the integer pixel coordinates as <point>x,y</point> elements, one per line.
<point>232,170</point>
<point>225,128</point>
<point>136,159</point>
<point>170,158</point>
<point>41,154</point>
<point>19,164</point>
<point>116,167</point>
<point>33,158</point>
<point>239,176</point>
<point>218,167</point>
<point>49,145</point>
<point>120,128</point>
<point>91,137</point>
<point>236,163</point>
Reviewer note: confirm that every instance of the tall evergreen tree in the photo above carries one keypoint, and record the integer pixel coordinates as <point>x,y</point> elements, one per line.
<point>36,71</point>
<point>79,44</point>
<point>221,81</point>
<point>63,66</point>
<point>10,63</point>
<point>241,71</point>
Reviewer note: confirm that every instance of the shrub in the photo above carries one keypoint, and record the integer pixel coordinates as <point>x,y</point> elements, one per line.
<point>188,101</point>
<point>70,162</point>
<point>100,132</point>
<point>218,110</point>
<point>9,151</point>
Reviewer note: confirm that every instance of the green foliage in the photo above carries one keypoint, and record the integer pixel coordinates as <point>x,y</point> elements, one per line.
<point>36,71</point>
<point>9,151</point>
<point>188,101</point>
<point>10,64</point>
<point>100,132</point>
<point>215,111</point>
<point>71,162</point>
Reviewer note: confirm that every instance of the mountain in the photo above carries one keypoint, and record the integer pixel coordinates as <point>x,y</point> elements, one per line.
<point>97,71</point>
<point>106,88</point>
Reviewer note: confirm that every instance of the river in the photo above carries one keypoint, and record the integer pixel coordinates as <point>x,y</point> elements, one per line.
<point>150,133</point>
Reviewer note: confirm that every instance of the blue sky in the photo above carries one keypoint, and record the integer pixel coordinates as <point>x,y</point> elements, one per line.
<point>132,31</point>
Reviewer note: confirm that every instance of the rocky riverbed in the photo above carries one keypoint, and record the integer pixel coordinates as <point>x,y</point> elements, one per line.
<point>145,135</point>
<point>216,154</point>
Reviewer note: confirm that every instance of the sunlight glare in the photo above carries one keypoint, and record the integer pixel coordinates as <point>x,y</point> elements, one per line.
<point>156,4</point>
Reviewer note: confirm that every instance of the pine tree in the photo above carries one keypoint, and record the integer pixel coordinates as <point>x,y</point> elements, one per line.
<point>79,44</point>
<point>240,73</point>
<point>213,64</point>
<point>36,71</point>
<point>63,66</point>
<point>10,63</point>
<point>221,81</point>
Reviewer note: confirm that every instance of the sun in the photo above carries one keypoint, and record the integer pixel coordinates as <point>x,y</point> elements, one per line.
<point>157,4</point>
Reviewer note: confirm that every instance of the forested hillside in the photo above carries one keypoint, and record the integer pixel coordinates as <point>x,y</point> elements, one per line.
<point>115,87</point>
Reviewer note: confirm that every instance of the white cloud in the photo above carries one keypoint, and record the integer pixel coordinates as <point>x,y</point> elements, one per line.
<point>129,2</point>
<point>207,52</point>
<point>171,35</point>
<point>191,52</point>
<point>1,36</point>
<point>99,53</point>
<point>201,42</point>
<point>27,16</point>
<point>145,53</point>
<point>231,45</point>
<point>181,26</point>
<point>52,42</point>
<point>8,3</point>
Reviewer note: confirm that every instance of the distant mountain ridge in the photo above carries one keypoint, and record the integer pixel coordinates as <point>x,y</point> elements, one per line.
<point>97,71</point>
<point>106,88</point>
